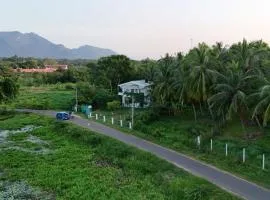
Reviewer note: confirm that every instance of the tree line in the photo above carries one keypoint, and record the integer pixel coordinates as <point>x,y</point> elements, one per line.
<point>219,81</point>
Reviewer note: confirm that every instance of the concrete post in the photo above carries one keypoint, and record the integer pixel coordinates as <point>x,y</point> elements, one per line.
<point>121,123</point>
<point>244,155</point>
<point>263,162</point>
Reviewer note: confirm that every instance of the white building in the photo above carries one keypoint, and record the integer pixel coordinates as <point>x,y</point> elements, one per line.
<point>139,86</point>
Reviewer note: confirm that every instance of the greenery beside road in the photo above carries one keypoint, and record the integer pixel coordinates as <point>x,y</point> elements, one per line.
<point>180,133</point>
<point>216,92</point>
<point>84,165</point>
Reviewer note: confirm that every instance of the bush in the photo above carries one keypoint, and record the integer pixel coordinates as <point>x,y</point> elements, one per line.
<point>113,105</point>
<point>86,92</point>
<point>148,116</point>
<point>101,98</point>
<point>69,86</point>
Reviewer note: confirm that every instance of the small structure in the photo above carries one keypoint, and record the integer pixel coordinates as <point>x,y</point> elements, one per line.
<point>57,66</point>
<point>138,87</point>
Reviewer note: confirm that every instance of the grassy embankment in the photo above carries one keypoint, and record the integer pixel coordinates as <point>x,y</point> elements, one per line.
<point>84,165</point>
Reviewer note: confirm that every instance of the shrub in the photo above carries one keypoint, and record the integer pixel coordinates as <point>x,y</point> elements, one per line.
<point>69,86</point>
<point>101,98</point>
<point>86,92</point>
<point>113,105</point>
<point>148,116</point>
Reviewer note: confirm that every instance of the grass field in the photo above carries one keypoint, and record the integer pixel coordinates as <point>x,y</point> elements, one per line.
<point>83,165</point>
<point>45,97</point>
<point>179,133</point>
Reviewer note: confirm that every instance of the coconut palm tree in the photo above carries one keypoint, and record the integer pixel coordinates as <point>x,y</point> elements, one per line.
<point>163,80</point>
<point>231,95</point>
<point>249,55</point>
<point>262,107</point>
<point>202,75</point>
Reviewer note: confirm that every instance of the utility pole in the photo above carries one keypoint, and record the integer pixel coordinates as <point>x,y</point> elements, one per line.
<point>76,105</point>
<point>132,111</point>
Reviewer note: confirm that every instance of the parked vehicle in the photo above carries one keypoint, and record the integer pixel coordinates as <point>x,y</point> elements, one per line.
<point>63,116</point>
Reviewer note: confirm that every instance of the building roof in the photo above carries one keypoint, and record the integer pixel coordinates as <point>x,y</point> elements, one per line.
<point>57,66</point>
<point>38,70</point>
<point>138,83</point>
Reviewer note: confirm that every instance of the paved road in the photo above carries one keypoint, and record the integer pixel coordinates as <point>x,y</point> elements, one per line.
<point>220,178</point>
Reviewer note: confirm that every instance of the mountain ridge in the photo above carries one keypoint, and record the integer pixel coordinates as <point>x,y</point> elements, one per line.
<point>33,45</point>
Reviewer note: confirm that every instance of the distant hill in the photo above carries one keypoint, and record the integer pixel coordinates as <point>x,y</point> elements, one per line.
<point>33,45</point>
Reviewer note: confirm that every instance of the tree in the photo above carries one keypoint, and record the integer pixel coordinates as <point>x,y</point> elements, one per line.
<point>86,92</point>
<point>8,85</point>
<point>248,55</point>
<point>231,95</point>
<point>263,104</point>
<point>115,69</point>
<point>201,77</point>
<point>164,92</point>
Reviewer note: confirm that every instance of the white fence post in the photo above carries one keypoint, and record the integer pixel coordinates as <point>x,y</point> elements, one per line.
<point>199,141</point>
<point>121,123</point>
<point>104,118</point>
<point>130,126</point>
<point>244,155</point>
<point>96,116</point>
<point>211,145</point>
<point>112,120</point>
<point>226,149</point>
<point>263,161</point>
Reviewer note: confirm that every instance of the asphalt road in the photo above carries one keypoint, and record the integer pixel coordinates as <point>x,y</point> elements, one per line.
<point>222,179</point>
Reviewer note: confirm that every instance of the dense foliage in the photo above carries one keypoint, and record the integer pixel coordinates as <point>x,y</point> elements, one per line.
<point>8,85</point>
<point>215,81</point>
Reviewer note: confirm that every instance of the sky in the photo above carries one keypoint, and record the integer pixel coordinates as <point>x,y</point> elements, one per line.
<point>139,28</point>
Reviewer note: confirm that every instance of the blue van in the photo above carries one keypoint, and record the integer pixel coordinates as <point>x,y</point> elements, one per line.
<point>62,116</point>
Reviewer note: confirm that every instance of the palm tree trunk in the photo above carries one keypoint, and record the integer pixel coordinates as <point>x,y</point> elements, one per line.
<point>210,110</point>
<point>194,111</point>
<point>201,108</point>
<point>258,122</point>
<point>242,120</point>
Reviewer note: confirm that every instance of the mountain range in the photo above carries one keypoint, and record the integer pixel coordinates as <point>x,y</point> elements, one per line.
<point>32,45</point>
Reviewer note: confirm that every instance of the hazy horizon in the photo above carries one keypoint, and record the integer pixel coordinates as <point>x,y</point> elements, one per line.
<point>139,29</point>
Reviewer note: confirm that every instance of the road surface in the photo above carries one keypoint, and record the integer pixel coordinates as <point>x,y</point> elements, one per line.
<point>222,179</point>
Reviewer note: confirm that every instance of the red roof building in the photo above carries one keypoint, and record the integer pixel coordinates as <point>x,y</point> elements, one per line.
<point>47,69</point>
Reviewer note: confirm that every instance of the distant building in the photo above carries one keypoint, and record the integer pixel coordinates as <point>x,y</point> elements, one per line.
<point>47,69</point>
<point>63,67</point>
<point>138,86</point>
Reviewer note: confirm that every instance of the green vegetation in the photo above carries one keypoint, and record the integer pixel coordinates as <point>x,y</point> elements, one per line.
<point>8,86</point>
<point>84,165</point>
<point>55,97</point>
<point>216,92</point>
<point>180,133</point>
